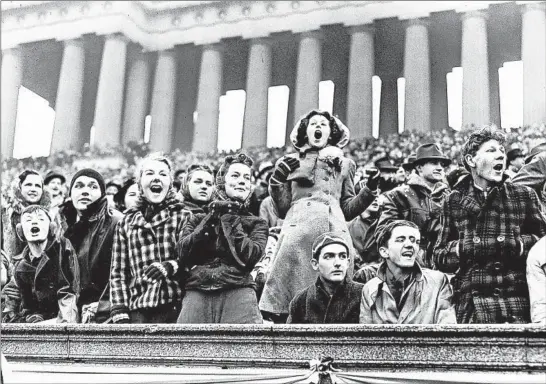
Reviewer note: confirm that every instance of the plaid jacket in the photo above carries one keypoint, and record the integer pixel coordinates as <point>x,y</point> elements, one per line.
<point>137,244</point>
<point>486,244</point>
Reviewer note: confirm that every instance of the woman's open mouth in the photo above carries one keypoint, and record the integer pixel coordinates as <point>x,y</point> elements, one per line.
<point>156,188</point>
<point>35,230</point>
<point>318,134</point>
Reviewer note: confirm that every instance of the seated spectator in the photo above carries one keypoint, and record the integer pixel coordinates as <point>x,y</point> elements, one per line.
<point>420,200</point>
<point>220,249</point>
<point>90,221</point>
<point>333,298</point>
<point>533,173</point>
<point>197,188</point>
<point>514,162</point>
<point>128,195</point>
<point>48,275</point>
<point>403,292</point>
<point>262,268</point>
<point>488,227</point>
<point>536,280</point>
<point>362,231</point>
<point>144,283</point>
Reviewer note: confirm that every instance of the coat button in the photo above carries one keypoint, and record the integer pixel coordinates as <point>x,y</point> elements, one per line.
<point>497,266</point>
<point>326,179</point>
<point>500,239</point>
<point>308,203</point>
<point>206,233</point>
<point>497,292</point>
<point>309,194</point>
<point>475,293</point>
<point>229,206</point>
<point>476,240</point>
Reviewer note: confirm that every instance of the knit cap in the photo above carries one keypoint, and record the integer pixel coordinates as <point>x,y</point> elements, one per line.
<point>92,174</point>
<point>327,239</point>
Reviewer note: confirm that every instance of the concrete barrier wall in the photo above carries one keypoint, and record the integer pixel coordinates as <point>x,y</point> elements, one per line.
<point>478,347</point>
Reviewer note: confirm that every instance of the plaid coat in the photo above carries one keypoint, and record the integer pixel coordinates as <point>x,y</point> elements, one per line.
<point>137,244</point>
<point>485,241</point>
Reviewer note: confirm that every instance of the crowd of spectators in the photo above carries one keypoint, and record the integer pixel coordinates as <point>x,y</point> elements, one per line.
<point>188,237</point>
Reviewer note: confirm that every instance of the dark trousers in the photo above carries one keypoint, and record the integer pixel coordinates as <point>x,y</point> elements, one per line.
<point>163,314</point>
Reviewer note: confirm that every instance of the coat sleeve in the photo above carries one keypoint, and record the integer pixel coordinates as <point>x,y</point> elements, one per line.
<point>536,279</point>
<point>189,239</point>
<point>282,197</point>
<point>365,308</point>
<point>120,272</point>
<point>446,250</point>
<point>352,205</point>
<point>533,174</point>
<point>534,225</point>
<point>246,248</point>
<point>445,310</point>
<point>68,294</point>
<point>389,213</point>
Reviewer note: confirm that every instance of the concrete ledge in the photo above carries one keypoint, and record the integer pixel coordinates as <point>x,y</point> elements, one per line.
<point>409,347</point>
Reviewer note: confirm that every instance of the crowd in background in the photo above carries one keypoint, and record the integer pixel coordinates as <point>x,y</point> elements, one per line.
<point>241,237</point>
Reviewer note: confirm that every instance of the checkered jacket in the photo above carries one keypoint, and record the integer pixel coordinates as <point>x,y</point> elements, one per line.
<point>485,241</point>
<point>137,244</point>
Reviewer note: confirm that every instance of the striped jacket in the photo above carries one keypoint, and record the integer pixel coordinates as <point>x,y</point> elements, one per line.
<point>485,242</point>
<point>137,244</point>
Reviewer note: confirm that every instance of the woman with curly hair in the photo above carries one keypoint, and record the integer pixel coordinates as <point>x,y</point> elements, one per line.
<point>220,249</point>
<point>313,191</point>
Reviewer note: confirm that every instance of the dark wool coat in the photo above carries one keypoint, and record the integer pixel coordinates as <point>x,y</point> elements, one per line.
<point>222,258</point>
<point>92,237</point>
<point>533,175</point>
<point>480,241</point>
<point>417,203</point>
<point>51,287</point>
<point>315,306</point>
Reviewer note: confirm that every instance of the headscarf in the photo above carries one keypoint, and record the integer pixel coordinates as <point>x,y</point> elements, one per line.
<point>220,191</point>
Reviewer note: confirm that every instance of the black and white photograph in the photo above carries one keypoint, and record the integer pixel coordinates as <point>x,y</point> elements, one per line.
<point>288,192</point>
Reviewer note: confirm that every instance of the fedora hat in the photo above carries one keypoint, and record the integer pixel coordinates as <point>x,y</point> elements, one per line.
<point>408,162</point>
<point>429,152</point>
<point>535,151</point>
<point>385,164</point>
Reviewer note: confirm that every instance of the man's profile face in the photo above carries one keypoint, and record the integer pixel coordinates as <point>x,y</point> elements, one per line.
<point>402,247</point>
<point>489,161</point>
<point>332,263</point>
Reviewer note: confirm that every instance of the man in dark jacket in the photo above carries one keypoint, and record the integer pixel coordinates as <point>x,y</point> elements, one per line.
<point>90,221</point>
<point>533,173</point>
<point>48,274</point>
<point>220,249</point>
<point>332,298</point>
<point>488,227</point>
<point>420,200</point>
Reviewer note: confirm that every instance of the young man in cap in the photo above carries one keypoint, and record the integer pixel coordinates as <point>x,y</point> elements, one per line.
<point>420,199</point>
<point>332,298</point>
<point>514,162</point>
<point>403,292</point>
<point>90,221</point>
<point>48,275</point>
<point>488,227</point>
<point>54,184</point>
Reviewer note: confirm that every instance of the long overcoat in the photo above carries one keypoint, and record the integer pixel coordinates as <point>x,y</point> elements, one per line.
<point>485,240</point>
<point>309,210</point>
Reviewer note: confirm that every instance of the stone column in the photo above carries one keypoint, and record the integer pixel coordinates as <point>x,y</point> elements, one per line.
<point>533,55</point>
<point>359,88</point>
<point>109,103</point>
<point>308,74</point>
<point>66,130</point>
<point>12,75</point>
<point>417,75</point>
<point>163,101</point>
<point>388,110</point>
<point>205,135</point>
<point>136,98</point>
<point>258,80</point>
<point>474,58</point>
